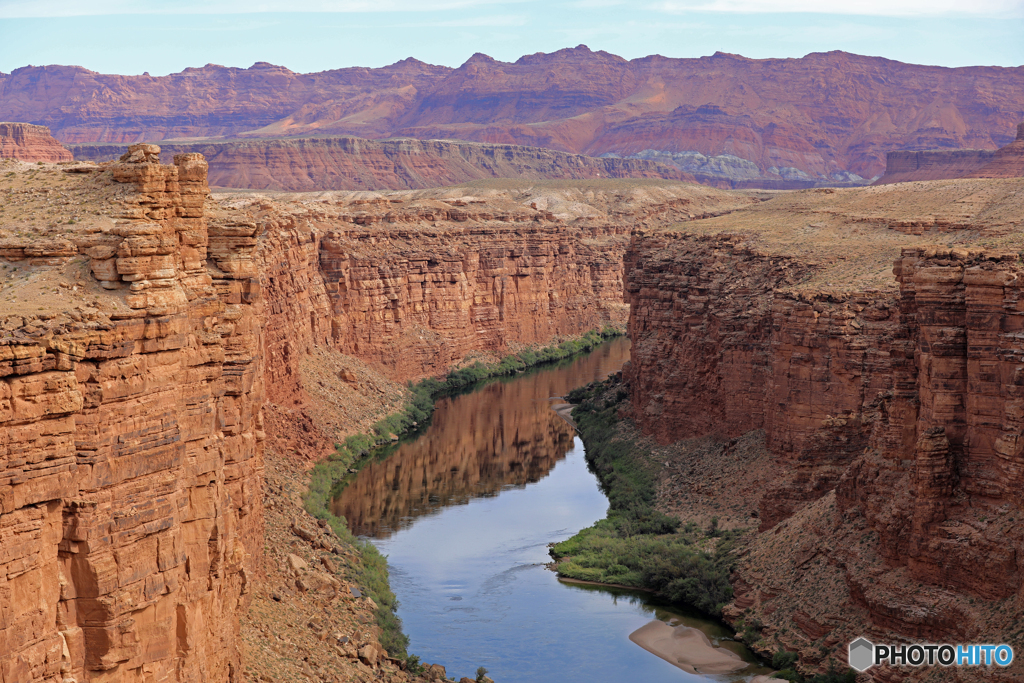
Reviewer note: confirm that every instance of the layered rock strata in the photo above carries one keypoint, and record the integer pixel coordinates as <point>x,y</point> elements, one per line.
<point>130,445</point>
<point>27,142</point>
<point>823,114</point>
<point>415,282</point>
<point>306,164</point>
<point>956,422</point>
<point>890,412</point>
<point>1005,162</point>
<point>906,166</point>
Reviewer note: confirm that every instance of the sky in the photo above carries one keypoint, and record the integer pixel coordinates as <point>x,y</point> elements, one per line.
<point>132,37</point>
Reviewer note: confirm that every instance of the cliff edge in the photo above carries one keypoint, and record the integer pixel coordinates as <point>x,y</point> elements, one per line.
<point>130,437</point>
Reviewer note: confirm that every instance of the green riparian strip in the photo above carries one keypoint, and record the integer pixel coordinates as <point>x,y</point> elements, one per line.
<point>329,476</point>
<point>637,545</point>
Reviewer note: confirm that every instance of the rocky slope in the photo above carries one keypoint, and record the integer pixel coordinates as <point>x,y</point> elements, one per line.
<point>824,115</point>
<point>888,404</point>
<point>26,142</point>
<point>305,164</point>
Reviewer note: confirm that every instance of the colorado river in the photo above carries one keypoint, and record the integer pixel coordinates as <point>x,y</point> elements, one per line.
<point>465,513</point>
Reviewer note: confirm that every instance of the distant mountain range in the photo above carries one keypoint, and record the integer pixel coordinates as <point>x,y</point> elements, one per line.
<point>827,117</point>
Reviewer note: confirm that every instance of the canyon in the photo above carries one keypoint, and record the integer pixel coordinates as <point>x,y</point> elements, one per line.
<point>173,361</point>
<point>173,364</point>
<point>825,117</point>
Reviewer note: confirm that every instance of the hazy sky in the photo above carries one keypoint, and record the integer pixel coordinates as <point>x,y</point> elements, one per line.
<point>128,37</point>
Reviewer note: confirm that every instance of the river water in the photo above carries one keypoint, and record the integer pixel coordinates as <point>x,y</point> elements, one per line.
<point>465,512</point>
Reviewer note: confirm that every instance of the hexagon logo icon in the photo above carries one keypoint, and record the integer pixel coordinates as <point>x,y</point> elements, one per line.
<point>861,654</point>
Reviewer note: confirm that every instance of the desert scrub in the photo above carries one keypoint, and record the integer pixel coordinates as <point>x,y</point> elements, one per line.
<point>636,545</point>
<point>330,476</point>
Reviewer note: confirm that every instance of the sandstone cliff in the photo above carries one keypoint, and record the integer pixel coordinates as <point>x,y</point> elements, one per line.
<point>888,404</point>
<point>413,282</point>
<point>130,440</point>
<point>906,166</point>
<point>822,115</point>
<point>357,285</point>
<point>305,164</point>
<point>30,143</point>
<point>1005,162</point>
<point>144,325</point>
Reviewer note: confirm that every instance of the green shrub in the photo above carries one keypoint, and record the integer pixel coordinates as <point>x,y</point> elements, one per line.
<point>636,545</point>
<point>783,659</point>
<point>414,666</point>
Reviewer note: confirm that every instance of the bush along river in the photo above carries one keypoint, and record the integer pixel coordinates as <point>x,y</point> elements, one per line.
<point>466,513</point>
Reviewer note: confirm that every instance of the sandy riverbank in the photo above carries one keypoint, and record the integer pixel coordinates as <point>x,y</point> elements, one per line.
<point>685,647</point>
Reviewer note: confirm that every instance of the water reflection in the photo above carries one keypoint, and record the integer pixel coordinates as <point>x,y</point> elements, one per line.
<point>471,578</point>
<point>504,435</point>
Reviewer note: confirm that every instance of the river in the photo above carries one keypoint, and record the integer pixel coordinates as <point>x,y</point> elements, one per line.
<point>465,512</point>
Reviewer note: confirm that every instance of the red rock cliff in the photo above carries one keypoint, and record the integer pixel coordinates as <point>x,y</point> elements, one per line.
<point>412,282</point>
<point>130,443</point>
<point>902,398</point>
<point>415,289</point>
<point>956,420</point>
<point>30,143</point>
<point>906,166</point>
<point>1005,162</point>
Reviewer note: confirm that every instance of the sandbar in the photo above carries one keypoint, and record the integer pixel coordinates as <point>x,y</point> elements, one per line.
<point>685,647</point>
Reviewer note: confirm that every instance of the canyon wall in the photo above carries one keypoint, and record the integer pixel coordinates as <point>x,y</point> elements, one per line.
<point>825,115</point>
<point>1005,162</point>
<point>130,447</point>
<point>30,143</point>
<point>307,164</point>
<point>892,417</point>
<point>956,421</point>
<point>906,166</point>
<point>415,299</point>
<point>720,348</point>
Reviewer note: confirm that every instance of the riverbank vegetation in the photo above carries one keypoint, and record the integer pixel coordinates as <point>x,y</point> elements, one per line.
<point>636,545</point>
<point>329,476</point>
